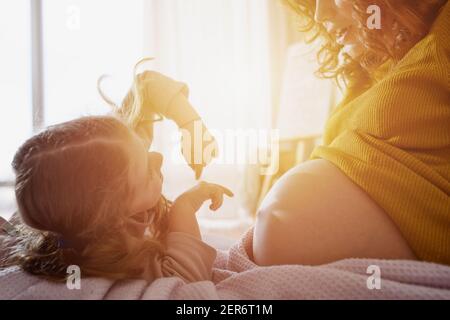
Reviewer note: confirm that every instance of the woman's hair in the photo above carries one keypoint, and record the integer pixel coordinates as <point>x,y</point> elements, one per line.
<point>73,195</point>
<point>411,21</point>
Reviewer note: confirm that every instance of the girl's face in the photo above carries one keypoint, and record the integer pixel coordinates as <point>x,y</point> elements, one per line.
<point>336,17</point>
<point>145,176</point>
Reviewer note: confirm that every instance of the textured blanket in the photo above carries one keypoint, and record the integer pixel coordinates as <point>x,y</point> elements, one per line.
<point>235,276</point>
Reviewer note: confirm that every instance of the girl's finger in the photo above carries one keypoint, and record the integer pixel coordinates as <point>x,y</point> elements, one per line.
<point>215,194</point>
<point>216,201</point>
<point>198,171</point>
<point>211,151</point>
<point>216,150</point>
<point>227,191</point>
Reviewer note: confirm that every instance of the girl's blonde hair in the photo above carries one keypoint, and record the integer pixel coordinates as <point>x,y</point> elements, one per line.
<point>412,20</point>
<point>73,197</point>
<point>132,109</point>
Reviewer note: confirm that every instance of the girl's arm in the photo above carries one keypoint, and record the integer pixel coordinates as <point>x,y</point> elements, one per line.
<point>161,95</point>
<point>184,208</point>
<point>179,110</point>
<point>158,94</point>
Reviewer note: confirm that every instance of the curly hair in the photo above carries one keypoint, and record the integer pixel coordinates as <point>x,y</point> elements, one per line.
<point>412,20</point>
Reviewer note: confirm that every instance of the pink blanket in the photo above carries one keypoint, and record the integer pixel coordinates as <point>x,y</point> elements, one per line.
<point>235,276</point>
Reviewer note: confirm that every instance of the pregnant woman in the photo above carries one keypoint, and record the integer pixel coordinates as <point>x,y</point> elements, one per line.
<point>379,186</point>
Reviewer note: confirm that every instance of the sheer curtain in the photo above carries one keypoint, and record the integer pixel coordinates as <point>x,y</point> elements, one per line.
<point>15,91</point>
<point>15,86</point>
<point>221,49</point>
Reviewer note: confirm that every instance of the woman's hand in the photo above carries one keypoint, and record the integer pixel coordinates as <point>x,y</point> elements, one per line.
<point>195,197</point>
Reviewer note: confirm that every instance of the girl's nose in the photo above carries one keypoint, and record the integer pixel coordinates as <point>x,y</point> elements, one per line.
<point>156,160</point>
<point>324,10</point>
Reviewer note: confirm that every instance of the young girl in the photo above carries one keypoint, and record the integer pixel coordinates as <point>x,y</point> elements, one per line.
<point>89,194</point>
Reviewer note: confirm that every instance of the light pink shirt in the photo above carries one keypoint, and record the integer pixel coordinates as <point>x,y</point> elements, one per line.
<point>186,257</point>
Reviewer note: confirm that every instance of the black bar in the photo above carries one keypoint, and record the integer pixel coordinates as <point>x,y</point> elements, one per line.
<point>236,309</point>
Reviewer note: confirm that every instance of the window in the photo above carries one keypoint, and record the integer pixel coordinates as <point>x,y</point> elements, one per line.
<point>15,84</point>
<point>15,88</point>
<point>84,39</point>
<point>80,40</point>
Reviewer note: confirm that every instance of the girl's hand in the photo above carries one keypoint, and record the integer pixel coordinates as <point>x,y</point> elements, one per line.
<point>154,94</point>
<point>161,95</point>
<point>195,197</point>
<point>182,215</point>
<point>198,146</point>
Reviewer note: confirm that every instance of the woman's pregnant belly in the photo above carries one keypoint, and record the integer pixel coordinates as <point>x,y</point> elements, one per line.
<point>315,214</point>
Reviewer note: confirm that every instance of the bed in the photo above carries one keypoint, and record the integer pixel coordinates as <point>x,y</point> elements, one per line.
<point>235,276</point>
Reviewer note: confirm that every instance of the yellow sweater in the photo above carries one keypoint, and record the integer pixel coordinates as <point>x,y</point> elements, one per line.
<point>393,140</point>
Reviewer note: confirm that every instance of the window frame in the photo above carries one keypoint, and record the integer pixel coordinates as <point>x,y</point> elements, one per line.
<point>37,75</point>
<point>37,65</point>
